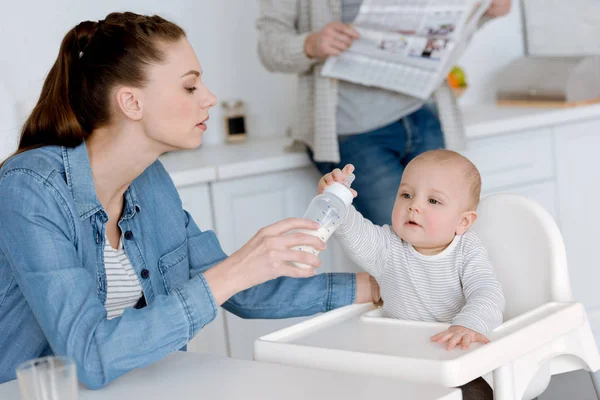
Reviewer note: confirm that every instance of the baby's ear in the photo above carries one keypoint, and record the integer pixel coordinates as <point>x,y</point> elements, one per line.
<point>466,220</point>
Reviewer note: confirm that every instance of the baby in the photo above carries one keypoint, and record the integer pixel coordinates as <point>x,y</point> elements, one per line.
<point>429,266</point>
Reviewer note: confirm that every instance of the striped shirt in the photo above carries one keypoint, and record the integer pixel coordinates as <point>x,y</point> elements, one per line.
<point>123,288</point>
<point>457,286</point>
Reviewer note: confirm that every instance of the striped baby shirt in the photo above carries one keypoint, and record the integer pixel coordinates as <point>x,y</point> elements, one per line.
<point>457,286</point>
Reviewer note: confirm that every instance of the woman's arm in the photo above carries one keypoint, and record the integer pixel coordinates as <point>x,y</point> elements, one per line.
<point>281,297</point>
<point>39,241</point>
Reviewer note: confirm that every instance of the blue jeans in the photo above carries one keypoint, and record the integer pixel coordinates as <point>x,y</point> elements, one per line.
<point>380,157</point>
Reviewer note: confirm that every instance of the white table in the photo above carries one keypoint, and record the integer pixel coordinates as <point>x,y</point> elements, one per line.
<point>194,376</point>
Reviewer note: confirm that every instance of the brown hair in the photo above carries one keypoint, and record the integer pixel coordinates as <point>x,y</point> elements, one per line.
<point>470,171</point>
<point>93,58</point>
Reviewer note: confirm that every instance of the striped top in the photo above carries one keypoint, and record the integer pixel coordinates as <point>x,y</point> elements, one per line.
<point>123,288</point>
<point>457,286</point>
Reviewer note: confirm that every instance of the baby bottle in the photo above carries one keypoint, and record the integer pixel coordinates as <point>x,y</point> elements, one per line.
<point>328,209</point>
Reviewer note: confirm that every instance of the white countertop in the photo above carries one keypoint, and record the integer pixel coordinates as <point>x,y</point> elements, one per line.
<point>264,155</point>
<point>228,161</point>
<point>488,120</point>
<point>193,376</point>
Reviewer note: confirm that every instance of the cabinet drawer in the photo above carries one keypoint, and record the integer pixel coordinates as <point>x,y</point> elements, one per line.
<point>512,159</point>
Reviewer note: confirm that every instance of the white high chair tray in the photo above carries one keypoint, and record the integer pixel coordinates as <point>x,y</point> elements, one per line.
<point>359,339</point>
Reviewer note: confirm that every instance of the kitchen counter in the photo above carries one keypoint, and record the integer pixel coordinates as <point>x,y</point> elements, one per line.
<point>265,155</point>
<point>489,120</point>
<point>228,161</point>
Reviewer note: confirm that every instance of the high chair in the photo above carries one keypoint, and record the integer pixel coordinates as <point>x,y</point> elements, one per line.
<point>545,331</point>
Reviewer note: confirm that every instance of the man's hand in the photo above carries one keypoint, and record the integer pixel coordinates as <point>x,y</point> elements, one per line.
<point>498,8</point>
<point>332,40</point>
<point>459,335</point>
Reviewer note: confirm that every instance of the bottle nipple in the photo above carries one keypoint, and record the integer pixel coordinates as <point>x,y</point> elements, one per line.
<point>348,181</point>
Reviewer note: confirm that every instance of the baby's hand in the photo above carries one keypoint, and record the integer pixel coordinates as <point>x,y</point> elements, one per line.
<point>336,175</point>
<point>459,335</point>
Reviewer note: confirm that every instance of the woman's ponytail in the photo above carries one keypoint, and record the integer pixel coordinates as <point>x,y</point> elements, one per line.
<point>94,57</point>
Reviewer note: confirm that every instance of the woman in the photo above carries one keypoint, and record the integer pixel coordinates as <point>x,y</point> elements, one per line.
<point>376,130</point>
<point>98,260</point>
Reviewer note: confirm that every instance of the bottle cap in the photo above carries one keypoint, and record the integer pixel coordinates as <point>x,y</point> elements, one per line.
<point>341,191</point>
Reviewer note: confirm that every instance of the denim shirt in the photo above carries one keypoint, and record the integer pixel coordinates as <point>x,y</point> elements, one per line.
<point>53,281</point>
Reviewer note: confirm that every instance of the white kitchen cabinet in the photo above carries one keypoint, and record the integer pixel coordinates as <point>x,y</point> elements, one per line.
<point>196,200</point>
<point>243,206</point>
<point>512,159</point>
<point>212,339</point>
<point>544,193</point>
<point>578,178</point>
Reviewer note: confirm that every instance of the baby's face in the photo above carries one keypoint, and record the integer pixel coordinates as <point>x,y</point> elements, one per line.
<point>431,202</point>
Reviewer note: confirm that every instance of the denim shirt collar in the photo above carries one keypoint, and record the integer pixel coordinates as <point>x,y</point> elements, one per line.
<point>81,182</point>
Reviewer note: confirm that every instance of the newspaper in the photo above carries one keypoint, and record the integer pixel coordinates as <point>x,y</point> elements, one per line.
<point>407,46</point>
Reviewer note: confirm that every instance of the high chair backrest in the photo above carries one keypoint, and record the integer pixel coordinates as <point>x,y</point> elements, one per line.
<point>526,250</point>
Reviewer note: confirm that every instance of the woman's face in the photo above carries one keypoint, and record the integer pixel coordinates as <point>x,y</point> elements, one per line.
<point>175,101</point>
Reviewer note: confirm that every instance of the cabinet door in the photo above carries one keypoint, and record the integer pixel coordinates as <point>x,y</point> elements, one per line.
<point>242,207</point>
<point>212,339</point>
<point>196,201</point>
<point>578,173</point>
<point>515,159</point>
<point>543,193</point>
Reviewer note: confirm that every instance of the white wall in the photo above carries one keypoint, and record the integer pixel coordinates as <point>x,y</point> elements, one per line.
<point>563,28</point>
<point>224,36</point>
<point>221,31</point>
<point>8,122</point>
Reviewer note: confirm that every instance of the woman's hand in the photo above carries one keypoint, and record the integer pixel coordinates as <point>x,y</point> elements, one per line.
<point>264,257</point>
<point>498,8</point>
<point>336,175</point>
<point>332,40</point>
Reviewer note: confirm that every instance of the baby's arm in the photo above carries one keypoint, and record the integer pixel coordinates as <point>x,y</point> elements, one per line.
<point>366,243</point>
<point>484,297</point>
<point>363,241</point>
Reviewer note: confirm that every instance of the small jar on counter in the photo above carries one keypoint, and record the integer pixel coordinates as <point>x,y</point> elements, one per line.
<point>234,120</point>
